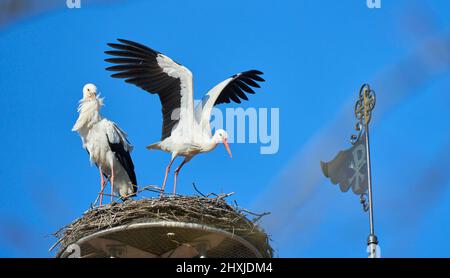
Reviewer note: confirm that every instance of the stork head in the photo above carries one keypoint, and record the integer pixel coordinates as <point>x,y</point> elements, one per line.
<point>221,136</point>
<point>89,91</point>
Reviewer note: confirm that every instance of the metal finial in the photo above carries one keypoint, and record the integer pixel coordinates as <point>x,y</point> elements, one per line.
<point>363,111</point>
<point>365,104</point>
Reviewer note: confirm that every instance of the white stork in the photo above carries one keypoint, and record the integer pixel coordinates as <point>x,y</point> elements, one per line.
<point>106,144</point>
<point>185,132</point>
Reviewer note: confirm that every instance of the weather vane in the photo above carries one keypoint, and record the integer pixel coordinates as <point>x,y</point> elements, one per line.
<point>351,168</point>
<point>363,113</point>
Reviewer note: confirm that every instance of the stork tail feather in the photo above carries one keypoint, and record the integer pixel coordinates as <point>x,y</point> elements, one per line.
<point>154,146</point>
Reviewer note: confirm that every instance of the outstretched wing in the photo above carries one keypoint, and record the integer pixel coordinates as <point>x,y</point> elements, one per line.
<point>232,89</point>
<point>157,74</point>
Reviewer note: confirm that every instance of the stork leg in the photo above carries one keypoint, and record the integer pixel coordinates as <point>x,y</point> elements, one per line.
<point>112,181</point>
<point>102,186</point>
<point>167,173</point>
<point>176,175</point>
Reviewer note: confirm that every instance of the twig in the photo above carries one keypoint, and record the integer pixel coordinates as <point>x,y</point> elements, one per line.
<point>152,188</point>
<point>259,215</point>
<point>223,195</point>
<point>253,213</point>
<point>256,219</point>
<point>198,191</point>
<point>56,243</point>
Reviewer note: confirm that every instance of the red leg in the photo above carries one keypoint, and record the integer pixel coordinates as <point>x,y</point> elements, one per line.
<point>112,181</point>
<point>102,185</point>
<point>176,176</point>
<point>165,177</point>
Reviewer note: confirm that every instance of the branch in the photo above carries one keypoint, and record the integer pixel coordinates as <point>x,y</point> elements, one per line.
<point>152,188</point>
<point>259,215</point>
<point>198,191</point>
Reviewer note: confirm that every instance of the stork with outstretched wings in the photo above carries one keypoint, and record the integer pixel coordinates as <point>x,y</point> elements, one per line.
<point>185,131</point>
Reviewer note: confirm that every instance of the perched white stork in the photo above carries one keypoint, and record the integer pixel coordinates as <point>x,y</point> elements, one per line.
<point>185,132</point>
<point>106,144</point>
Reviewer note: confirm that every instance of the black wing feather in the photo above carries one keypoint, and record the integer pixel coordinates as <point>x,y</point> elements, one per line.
<point>241,84</point>
<point>125,160</point>
<point>137,64</point>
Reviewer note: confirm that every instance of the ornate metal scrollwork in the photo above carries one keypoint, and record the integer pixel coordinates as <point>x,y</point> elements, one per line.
<point>355,138</point>
<point>363,110</point>
<point>363,201</point>
<point>365,104</point>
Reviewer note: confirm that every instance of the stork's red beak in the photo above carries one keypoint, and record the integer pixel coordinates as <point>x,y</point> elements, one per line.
<point>225,143</point>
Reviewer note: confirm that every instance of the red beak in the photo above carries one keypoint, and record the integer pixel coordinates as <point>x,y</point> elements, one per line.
<point>225,143</point>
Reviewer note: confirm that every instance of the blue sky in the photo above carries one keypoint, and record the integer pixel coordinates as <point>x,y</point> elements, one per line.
<point>315,56</point>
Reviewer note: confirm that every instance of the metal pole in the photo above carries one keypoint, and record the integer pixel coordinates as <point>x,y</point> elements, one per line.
<point>372,240</point>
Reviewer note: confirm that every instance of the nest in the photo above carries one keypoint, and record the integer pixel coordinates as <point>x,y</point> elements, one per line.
<point>214,212</point>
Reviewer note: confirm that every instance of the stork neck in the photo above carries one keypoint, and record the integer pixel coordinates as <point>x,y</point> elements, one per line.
<point>89,113</point>
<point>211,144</point>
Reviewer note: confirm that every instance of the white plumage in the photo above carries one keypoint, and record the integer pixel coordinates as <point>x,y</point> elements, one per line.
<point>106,144</point>
<point>185,131</point>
